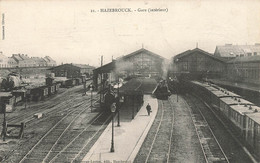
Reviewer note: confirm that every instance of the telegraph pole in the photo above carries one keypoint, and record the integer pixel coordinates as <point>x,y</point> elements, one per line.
<point>101,81</point>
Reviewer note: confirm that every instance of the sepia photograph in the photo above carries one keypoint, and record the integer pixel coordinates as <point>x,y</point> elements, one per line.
<point>149,81</point>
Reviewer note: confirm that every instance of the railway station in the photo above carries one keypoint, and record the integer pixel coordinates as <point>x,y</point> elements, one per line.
<point>107,118</point>
<point>166,82</point>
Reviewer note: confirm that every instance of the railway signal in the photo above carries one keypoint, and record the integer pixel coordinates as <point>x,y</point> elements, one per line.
<point>91,88</point>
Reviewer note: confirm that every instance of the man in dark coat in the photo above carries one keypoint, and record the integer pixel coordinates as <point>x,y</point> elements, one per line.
<point>148,108</point>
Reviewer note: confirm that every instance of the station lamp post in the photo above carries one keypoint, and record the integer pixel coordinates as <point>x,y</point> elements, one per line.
<point>113,109</point>
<point>121,100</point>
<point>118,102</point>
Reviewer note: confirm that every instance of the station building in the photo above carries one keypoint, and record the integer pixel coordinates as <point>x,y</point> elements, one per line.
<point>142,63</point>
<point>72,70</point>
<point>229,51</point>
<point>243,62</point>
<point>197,64</point>
<point>244,69</point>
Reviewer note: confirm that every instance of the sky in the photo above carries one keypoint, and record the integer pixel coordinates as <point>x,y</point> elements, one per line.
<point>69,32</point>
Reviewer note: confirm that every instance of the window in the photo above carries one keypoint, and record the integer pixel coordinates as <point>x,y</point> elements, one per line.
<point>249,54</point>
<point>185,65</point>
<point>255,53</point>
<point>241,55</point>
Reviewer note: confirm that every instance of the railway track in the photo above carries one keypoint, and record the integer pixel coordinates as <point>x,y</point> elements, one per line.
<point>48,105</point>
<point>53,142</point>
<point>56,114</point>
<point>160,148</point>
<point>64,106</point>
<point>210,146</point>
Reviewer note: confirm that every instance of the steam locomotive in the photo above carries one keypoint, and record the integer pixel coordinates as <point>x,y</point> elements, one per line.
<point>12,81</point>
<point>162,91</point>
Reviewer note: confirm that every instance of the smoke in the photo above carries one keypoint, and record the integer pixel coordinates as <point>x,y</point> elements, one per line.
<point>123,66</point>
<point>165,68</point>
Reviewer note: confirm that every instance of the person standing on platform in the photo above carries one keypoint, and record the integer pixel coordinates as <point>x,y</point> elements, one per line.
<point>148,108</point>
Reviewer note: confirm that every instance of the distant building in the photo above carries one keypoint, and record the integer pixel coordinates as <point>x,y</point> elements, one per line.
<point>244,69</point>
<point>12,62</point>
<point>49,61</point>
<point>3,60</point>
<point>72,70</point>
<point>230,51</point>
<point>23,60</point>
<point>39,62</point>
<point>198,63</point>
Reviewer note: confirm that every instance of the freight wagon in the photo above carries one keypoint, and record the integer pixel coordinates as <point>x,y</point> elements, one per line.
<point>242,114</point>
<point>252,130</point>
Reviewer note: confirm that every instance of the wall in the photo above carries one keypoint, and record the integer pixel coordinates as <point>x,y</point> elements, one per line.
<point>244,72</point>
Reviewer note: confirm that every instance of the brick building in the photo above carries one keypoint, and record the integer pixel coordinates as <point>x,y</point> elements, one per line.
<point>72,70</point>
<point>244,69</point>
<point>198,64</point>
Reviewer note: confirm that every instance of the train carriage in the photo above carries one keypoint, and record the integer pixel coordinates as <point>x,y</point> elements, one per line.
<point>70,83</point>
<point>19,95</point>
<point>227,102</point>
<point>243,115</point>
<point>200,89</point>
<point>57,87</point>
<point>252,130</point>
<point>237,116</point>
<point>38,93</point>
<point>217,95</point>
<point>51,89</point>
<point>78,81</point>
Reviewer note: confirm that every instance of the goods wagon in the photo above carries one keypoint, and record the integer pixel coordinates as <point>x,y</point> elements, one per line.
<point>252,130</point>
<point>242,114</point>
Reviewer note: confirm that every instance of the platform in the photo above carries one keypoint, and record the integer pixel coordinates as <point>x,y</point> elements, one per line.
<point>244,85</point>
<point>128,138</point>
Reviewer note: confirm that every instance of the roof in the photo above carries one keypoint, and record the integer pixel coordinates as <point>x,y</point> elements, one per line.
<point>111,65</point>
<point>232,101</point>
<point>189,52</point>
<point>48,59</point>
<point>140,51</point>
<point>107,67</point>
<point>229,50</point>
<point>81,66</point>
<point>38,59</point>
<point>242,109</point>
<point>11,59</point>
<point>255,117</point>
<point>255,58</point>
<point>17,57</point>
